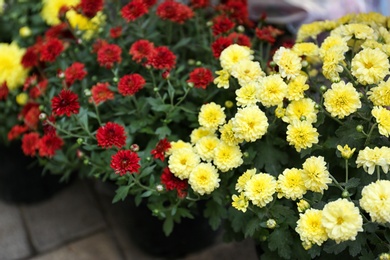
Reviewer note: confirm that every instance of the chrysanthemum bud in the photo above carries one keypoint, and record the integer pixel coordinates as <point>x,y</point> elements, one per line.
<point>41,107</point>
<point>240,29</point>
<point>306,245</point>
<point>115,79</point>
<point>86,161</point>
<point>346,151</point>
<point>79,41</point>
<point>155,89</point>
<point>272,64</point>
<point>246,154</point>
<point>228,104</point>
<point>159,187</point>
<point>317,107</point>
<point>303,205</point>
<point>94,78</point>
<point>345,194</point>
<point>359,128</point>
<point>42,116</point>
<point>271,223</point>
<point>323,88</point>
<point>80,141</point>
<point>134,147</point>
<point>87,92</point>
<point>304,63</point>
<point>190,84</point>
<point>361,95</point>
<point>302,118</point>
<point>61,75</point>
<point>198,63</point>
<point>191,62</point>
<point>79,154</point>
<point>209,24</point>
<point>263,238</point>
<point>25,31</point>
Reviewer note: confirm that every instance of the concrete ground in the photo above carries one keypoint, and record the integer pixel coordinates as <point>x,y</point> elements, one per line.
<point>80,223</point>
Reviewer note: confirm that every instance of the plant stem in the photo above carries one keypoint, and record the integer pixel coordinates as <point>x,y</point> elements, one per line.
<point>378,172</point>
<point>346,170</point>
<point>370,133</point>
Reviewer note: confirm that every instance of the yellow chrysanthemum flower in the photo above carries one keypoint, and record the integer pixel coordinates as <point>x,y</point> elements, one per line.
<point>200,132</point>
<point>250,123</point>
<point>380,95</point>
<point>240,202</point>
<point>204,178</point>
<point>382,116</point>
<point>303,205</point>
<point>11,68</point>
<point>332,64</point>
<point>175,145</point>
<point>309,227</point>
<point>342,220</point>
<point>260,189</point>
<point>342,99</point>
<point>315,174</point>
<point>247,94</point>
<point>303,109</point>
<point>376,200</point>
<point>272,90</point>
<point>89,26</point>
<point>333,43</point>
<point>280,111</point>
<point>369,158</point>
<point>222,81</point>
<point>205,147</point>
<point>311,30</point>
<point>227,134</point>
<point>211,116</point>
<point>1,6</point>
<point>306,49</point>
<point>247,71</point>
<point>289,63</point>
<point>182,161</point>
<point>301,134</point>
<point>244,178</point>
<point>233,54</point>
<point>297,87</point>
<point>227,157</point>
<point>370,66</point>
<point>290,184</point>
<point>25,31</point>
<point>51,9</point>
<point>356,30</point>
<point>346,151</point>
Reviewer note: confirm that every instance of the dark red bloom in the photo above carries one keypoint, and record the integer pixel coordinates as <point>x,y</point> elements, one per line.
<point>30,143</point>
<point>51,49</point>
<point>240,39</point>
<point>59,31</point>
<point>141,49</point>
<point>74,72</point>
<point>98,44</point>
<point>30,57</point>
<point>16,131</point>
<point>130,84</point>
<point>238,11</point>
<point>201,77</point>
<point>48,129</point>
<point>222,24</point>
<point>109,54</point>
<point>197,4</point>
<point>268,33</point>
<point>134,10</point>
<point>4,91</point>
<point>111,134</point>
<point>91,7</point>
<point>162,58</point>
<point>65,103</point>
<point>125,161</point>
<point>171,182</point>
<point>38,89</point>
<point>116,32</point>
<point>149,3</point>
<point>174,11</point>
<point>101,92</point>
<point>31,117</point>
<point>161,147</point>
<point>219,45</point>
<point>49,144</point>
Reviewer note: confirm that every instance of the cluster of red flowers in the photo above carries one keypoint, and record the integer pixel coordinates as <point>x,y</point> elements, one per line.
<point>161,147</point>
<point>74,72</point>
<point>130,84</point>
<point>90,7</point>
<point>101,92</point>
<point>201,77</point>
<point>111,134</point>
<point>108,54</point>
<point>125,161</point>
<point>174,11</point>
<point>42,51</point>
<point>171,182</point>
<point>65,103</point>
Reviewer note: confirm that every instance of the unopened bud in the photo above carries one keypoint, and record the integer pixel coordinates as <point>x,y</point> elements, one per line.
<point>155,89</point>
<point>323,88</point>
<point>306,245</point>
<point>134,147</point>
<point>304,63</point>
<point>317,107</point>
<point>302,118</point>
<point>345,194</point>
<point>209,24</point>
<point>303,205</point>
<point>190,84</point>
<point>191,62</point>
<point>86,161</point>
<point>198,63</point>
<point>246,154</point>
<point>359,128</point>
<point>228,104</point>
<point>159,187</point>
<point>25,31</point>
<point>42,116</point>
<point>87,92</point>
<point>115,79</point>
<point>272,64</point>
<point>240,29</point>
<point>271,223</point>
<point>80,141</point>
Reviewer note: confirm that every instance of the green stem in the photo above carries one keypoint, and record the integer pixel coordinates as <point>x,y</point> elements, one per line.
<point>346,171</point>
<point>64,131</point>
<point>370,133</point>
<point>136,181</point>
<point>336,182</point>
<point>378,172</point>
<point>97,113</point>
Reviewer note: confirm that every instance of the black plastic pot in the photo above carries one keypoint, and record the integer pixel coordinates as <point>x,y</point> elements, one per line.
<point>21,179</point>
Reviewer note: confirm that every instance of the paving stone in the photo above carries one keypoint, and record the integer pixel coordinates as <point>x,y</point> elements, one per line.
<point>96,247</point>
<point>69,215</point>
<point>13,238</point>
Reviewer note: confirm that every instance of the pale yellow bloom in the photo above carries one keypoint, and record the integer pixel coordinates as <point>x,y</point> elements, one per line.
<point>227,157</point>
<point>309,227</point>
<point>297,87</point>
<point>204,178</point>
<point>346,151</point>
<point>250,123</point>
<point>342,220</point>
<point>88,26</point>
<point>51,9</point>
<point>200,132</point>
<point>370,66</point>
<point>240,202</point>
<point>376,200</point>
<point>11,68</point>
<point>356,30</point>
<point>211,116</point>
<point>303,110</point>
<point>260,189</point>
<point>370,158</point>
<point>244,178</point>
<point>301,134</point>
<point>182,161</point>
<point>272,90</point>
<point>247,71</point>
<point>290,184</point>
<point>175,145</point>
<point>380,95</point>
<point>205,147</point>
<point>247,94</point>
<point>306,49</point>
<point>342,99</point>
<point>312,30</point>
<point>289,63</point>
<point>227,134</point>
<point>382,116</point>
<point>222,81</point>
<point>233,54</point>
<point>316,174</point>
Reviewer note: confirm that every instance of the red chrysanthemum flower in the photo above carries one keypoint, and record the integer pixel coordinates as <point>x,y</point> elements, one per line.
<point>125,161</point>
<point>101,92</point>
<point>30,57</point>
<point>162,58</point>
<point>174,11</point>
<point>201,77</point>
<point>130,84</point>
<point>268,33</point>
<point>219,45</point>
<point>49,144</point>
<point>111,134</point>
<point>4,91</point>
<point>38,89</point>
<point>134,10</point>
<point>161,147</point>
<point>116,32</point>
<point>30,143</point>
<point>51,49</point>
<point>238,11</point>
<point>98,44</point>
<point>222,24</point>
<point>198,4</point>
<point>108,54</point>
<point>141,49</point>
<point>30,81</point>
<point>65,103</point>
<point>48,129</point>
<point>171,182</point>
<point>31,117</point>
<point>149,3</point>
<point>91,7</point>
<point>16,131</point>
<point>74,72</point>
<point>59,31</point>
<point>240,39</point>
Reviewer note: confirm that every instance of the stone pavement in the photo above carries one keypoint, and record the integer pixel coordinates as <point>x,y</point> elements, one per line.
<point>81,223</point>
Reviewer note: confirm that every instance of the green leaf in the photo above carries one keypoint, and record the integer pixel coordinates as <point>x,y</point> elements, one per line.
<point>280,240</point>
<point>347,134</point>
<point>146,194</point>
<point>352,183</point>
<point>214,213</point>
<point>251,227</point>
<point>168,225</point>
<point>163,131</point>
<point>270,158</point>
<point>121,193</point>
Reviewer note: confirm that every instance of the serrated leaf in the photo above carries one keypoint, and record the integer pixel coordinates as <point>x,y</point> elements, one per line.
<point>168,225</point>
<point>347,134</point>
<point>280,240</point>
<point>334,248</point>
<point>163,131</point>
<point>352,183</point>
<point>270,157</point>
<point>251,227</point>
<point>121,193</point>
<point>214,213</point>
